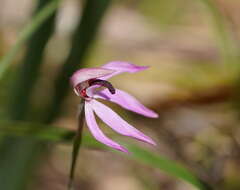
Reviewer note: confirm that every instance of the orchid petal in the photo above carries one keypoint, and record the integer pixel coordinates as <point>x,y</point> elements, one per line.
<point>126,101</point>
<point>114,121</point>
<point>96,131</point>
<point>82,75</point>
<point>121,67</point>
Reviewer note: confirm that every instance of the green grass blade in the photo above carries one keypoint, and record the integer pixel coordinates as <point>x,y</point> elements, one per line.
<point>26,151</point>
<point>166,165</point>
<point>154,160</point>
<point>34,24</point>
<point>35,131</point>
<point>224,36</point>
<point>29,70</point>
<point>141,155</point>
<point>84,35</point>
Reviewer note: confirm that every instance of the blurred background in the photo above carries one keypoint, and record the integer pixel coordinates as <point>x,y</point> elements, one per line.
<point>192,48</point>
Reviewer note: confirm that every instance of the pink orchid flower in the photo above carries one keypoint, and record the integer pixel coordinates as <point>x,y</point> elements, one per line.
<point>88,83</point>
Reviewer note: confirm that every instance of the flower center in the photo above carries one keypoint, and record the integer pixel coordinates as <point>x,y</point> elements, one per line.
<point>103,83</point>
<point>81,88</point>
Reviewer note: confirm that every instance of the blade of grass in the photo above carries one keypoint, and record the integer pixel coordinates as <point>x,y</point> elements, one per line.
<point>28,150</point>
<point>25,150</point>
<point>33,25</point>
<point>83,37</point>
<point>55,134</point>
<point>30,69</point>
<point>166,165</point>
<point>37,131</point>
<point>224,36</point>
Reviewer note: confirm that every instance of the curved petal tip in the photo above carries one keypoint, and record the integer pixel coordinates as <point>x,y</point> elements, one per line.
<point>154,115</point>
<point>124,66</point>
<point>113,120</point>
<point>122,149</point>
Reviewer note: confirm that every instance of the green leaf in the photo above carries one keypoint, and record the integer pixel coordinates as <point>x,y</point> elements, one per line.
<point>164,164</point>
<point>35,131</point>
<point>154,160</point>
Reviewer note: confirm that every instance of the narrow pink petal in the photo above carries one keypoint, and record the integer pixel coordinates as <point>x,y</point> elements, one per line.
<point>82,75</point>
<point>126,101</point>
<point>96,131</point>
<point>121,67</point>
<point>114,121</point>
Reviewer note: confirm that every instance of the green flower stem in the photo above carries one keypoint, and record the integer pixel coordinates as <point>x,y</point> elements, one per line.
<point>76,144</point>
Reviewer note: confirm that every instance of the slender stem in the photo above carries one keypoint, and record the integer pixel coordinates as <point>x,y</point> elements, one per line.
<point>76,144</point>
